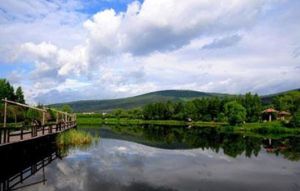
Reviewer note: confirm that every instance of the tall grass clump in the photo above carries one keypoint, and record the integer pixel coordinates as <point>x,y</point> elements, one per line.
<point>74,138</point>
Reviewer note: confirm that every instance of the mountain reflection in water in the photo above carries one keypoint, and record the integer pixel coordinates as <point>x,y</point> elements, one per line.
<point>172,158</point>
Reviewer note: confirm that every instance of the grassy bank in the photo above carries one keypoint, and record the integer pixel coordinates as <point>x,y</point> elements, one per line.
<point>125,121</point>
<point>275,127</point>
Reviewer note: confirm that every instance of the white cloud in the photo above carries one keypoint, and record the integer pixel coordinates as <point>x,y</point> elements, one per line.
<point>202,45</point>
<point>167,25</point>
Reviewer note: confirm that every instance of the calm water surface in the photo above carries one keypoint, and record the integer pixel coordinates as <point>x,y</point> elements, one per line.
<point>160,158</point>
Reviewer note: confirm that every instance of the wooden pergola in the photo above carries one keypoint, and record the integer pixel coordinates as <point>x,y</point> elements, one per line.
<point>43,110</point>
<point>283,114</point>
<point>270,111</point>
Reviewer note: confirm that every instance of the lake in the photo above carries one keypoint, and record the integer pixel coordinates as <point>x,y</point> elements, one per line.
<point>161,158</point>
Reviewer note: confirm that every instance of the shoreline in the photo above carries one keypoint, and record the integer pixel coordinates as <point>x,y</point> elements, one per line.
<point>275,127</point>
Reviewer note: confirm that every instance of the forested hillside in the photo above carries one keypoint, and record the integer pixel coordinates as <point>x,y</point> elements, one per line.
<point>137,101</point>
<point>159,96</point>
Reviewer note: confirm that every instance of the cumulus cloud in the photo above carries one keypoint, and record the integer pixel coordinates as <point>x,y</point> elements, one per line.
<point>53,61</point>
<point>166,25</point>
<point>152,45</point>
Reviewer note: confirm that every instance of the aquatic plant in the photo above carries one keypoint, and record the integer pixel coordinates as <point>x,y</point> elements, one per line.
<point>74,138</point>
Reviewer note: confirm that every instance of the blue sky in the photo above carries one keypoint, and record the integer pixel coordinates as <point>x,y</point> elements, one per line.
<point>66,50</point>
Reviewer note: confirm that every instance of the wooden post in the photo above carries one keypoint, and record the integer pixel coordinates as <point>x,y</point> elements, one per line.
<point>21,133</point>
<point>57,115</point>
<point>43,120</point>
<point>5,110</point>
<point>5,136</point>
<point>8,135</point>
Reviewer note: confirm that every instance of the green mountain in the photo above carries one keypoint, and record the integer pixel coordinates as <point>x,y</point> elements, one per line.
<point>158,96</point>
<point>267,99</point>
<point>136,101</point>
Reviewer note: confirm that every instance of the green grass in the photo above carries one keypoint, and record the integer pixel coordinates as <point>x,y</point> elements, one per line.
<point>125,121</point>
<point>275,127</point>
<point>74,138</point>
<point>89,121</point>
<point>15,125</point>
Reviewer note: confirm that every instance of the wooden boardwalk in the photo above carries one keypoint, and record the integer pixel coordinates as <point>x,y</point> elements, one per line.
<point>16,135</point>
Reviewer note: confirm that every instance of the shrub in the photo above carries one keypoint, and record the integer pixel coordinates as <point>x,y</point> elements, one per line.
<point>235,113</point>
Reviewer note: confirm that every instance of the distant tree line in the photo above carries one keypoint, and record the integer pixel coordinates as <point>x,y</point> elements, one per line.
<point>234,109</point>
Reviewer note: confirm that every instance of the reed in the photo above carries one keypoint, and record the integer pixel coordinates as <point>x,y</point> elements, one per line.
<point>74,138</point>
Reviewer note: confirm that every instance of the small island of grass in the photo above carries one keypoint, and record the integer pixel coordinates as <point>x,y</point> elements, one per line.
<point>74,138</point>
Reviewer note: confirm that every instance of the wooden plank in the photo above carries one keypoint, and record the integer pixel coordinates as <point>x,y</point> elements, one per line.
<point>9,137</point>
<point>13,137</point>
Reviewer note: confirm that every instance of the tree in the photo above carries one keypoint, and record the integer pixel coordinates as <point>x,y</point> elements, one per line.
<point>148,111</point>
<point>33,115</point>
<point>288,102</point>
<point>252,104</point>
<point>135,113</point>
<point>20,95</point>
<point>201,110</point>
<point>178,111</point>
<point>214,107</point>
<point>189,110</point>
<point>120,113</point>
<point>295,121</point>
<point>235,113</point>
<point>6,90</point>
<point>67,108</point>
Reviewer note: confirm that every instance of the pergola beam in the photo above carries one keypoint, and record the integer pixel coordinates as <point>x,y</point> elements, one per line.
<point>23,105</point>
<point>61,112</point>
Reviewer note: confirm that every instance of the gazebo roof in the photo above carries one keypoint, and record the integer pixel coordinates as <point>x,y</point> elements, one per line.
<point>284,113</point>
<point>270,110</point>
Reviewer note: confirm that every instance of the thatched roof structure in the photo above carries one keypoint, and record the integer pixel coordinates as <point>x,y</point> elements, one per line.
<point>284,113</point>
<point>270,110</point>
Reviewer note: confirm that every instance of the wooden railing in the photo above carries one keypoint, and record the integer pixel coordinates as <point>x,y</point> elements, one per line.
<point>9,135</point>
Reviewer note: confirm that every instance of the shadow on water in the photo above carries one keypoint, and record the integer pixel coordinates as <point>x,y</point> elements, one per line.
<point>18,162</point>
<point>232,144</point>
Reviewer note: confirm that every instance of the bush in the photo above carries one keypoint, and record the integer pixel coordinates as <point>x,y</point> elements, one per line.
<point>235,113</point>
